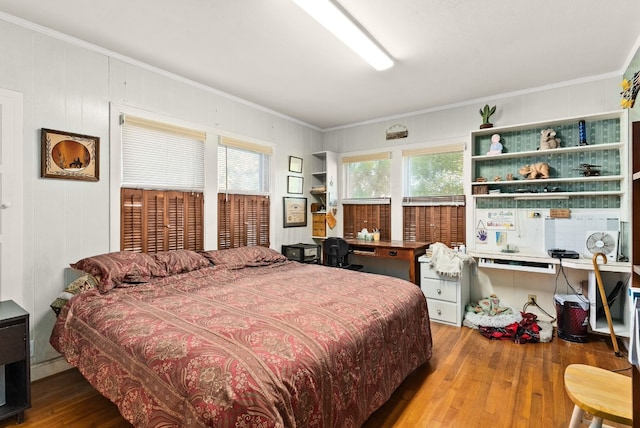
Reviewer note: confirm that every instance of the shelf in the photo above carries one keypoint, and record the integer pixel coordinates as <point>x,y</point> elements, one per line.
<point>520,265</point>
<point>550,123</point>
<point>619,327</point>
<point>606,147</point>
<point>596,178</point>
<point>548,195</point>
<point>561,150</point>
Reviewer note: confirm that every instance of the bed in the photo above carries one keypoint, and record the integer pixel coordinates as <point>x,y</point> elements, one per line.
<point>241,338</point>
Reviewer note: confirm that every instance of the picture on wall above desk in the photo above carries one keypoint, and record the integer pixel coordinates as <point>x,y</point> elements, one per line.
<point>294,184</point>
<point>295,164</point>
<point>295,212</point>
<point>501,219</point>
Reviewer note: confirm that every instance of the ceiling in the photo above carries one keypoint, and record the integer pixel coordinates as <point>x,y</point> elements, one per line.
<point>271,53</point>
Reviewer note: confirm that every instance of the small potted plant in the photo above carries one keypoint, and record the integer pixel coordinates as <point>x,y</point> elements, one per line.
<point>486,113</point>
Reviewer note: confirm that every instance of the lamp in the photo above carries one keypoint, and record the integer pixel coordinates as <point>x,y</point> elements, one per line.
<point>335,20</point>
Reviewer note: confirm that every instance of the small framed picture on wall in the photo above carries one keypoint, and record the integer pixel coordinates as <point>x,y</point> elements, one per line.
<point>294,184</point>
<point>295,164</point>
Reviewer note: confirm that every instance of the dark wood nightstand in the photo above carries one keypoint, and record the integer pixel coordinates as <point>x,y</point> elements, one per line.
<point>14,355</point>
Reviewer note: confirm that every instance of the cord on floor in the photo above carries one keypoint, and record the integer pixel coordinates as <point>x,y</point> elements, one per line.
<point>533,302</point>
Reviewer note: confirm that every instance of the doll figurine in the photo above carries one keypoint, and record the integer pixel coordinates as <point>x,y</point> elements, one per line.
<point>496,145</point>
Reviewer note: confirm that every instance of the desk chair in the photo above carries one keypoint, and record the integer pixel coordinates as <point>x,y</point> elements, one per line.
<point>602,393</point>
<point>337,252</point>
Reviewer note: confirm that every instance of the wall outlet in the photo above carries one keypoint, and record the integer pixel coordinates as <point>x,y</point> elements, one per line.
<point>532,298</point>
<point>32,348</point>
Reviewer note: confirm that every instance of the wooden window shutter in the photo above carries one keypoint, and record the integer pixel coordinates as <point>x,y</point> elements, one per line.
<point>224,221</point>
<point>264,206</point>
<point>238,216</point>
<point>131,220</point>
<point>445,223</point>
<point>243,220</point>
<point>376,216</point>
<point>175,220</point>
<point>411,228</point>
<point>194,227</point>
<point>156,220</point>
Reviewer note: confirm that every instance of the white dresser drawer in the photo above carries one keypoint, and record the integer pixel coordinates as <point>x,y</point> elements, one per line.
<point>427,272</point>
<point>443,311</point>
<point>441,290</point>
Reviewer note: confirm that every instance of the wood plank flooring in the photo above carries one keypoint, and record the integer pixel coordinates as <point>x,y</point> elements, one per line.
<point>471,381</point>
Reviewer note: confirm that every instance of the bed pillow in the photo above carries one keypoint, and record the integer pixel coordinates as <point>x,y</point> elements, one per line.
<point>113,269</point>
<point>77,286</point>
<point>236,258</point>
<point>179,261</point>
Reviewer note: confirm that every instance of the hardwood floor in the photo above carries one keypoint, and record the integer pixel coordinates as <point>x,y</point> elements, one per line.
<point>471,381</point>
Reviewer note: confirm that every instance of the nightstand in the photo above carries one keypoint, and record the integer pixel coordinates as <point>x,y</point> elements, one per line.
<point>303,253</point>
<point>14,355</point>
<point>446,295</point>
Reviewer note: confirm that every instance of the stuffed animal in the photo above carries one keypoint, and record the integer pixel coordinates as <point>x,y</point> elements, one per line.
<point>536,170</point>
<point>548,139</point>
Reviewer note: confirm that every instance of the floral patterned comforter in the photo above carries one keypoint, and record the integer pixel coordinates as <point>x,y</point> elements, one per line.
<point>284,345</point>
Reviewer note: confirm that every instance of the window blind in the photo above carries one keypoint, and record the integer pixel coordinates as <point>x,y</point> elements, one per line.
<point>433,150</point>
<point>243,167</point>
<point>366,158</point>
<point>161,156</point>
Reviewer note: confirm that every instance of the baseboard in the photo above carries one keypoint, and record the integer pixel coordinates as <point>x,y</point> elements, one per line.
<point>48,368</point>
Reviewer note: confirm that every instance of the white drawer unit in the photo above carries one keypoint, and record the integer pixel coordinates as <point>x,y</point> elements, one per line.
<point>446,295</point>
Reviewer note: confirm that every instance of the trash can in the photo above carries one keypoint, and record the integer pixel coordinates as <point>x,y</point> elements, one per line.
<point>573,317</point>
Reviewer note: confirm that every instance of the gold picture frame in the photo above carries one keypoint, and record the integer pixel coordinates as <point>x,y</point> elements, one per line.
<point>295,212</point>
<point>70,156</point>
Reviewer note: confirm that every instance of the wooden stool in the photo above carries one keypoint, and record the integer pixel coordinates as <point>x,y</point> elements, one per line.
<point>602,393</point>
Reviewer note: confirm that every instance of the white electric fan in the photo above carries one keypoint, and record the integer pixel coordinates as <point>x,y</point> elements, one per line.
<point>605,242</point>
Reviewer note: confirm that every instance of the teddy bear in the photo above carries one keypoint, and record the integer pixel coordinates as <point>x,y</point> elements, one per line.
<point>536,170</point>
<point>548,139</point>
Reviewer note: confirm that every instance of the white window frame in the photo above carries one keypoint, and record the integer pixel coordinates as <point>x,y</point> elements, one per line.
<point>407,154</point>
<point>116,179</point>
<point>256,148</point>
<point>365,157</point>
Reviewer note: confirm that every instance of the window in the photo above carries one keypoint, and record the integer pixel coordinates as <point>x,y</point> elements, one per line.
<point>157,220</point>
<point>243,167</point>
<point>160,156</point>
<point>243,220</point>
<point>370,216</point>
<point>433,203</point>
<point>444,224</point>
<point>244,170</point>
<point>367,176</point>
<point>433,172</point>
<point>161,198</point>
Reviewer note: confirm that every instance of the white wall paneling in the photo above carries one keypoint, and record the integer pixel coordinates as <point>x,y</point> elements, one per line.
<point>69,87</point>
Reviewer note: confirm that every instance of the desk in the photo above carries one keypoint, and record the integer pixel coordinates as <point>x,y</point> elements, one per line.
<point>399,250</point>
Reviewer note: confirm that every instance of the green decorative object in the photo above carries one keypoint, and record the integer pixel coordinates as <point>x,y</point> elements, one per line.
<point>486,113</point>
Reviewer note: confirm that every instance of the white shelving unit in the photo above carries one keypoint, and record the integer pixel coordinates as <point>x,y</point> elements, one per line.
<point>566,188</point>
<point>521,187</point>
<point>324,176</point>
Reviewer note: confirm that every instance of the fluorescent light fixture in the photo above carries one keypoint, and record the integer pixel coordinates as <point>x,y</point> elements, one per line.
<point>334,20</point>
